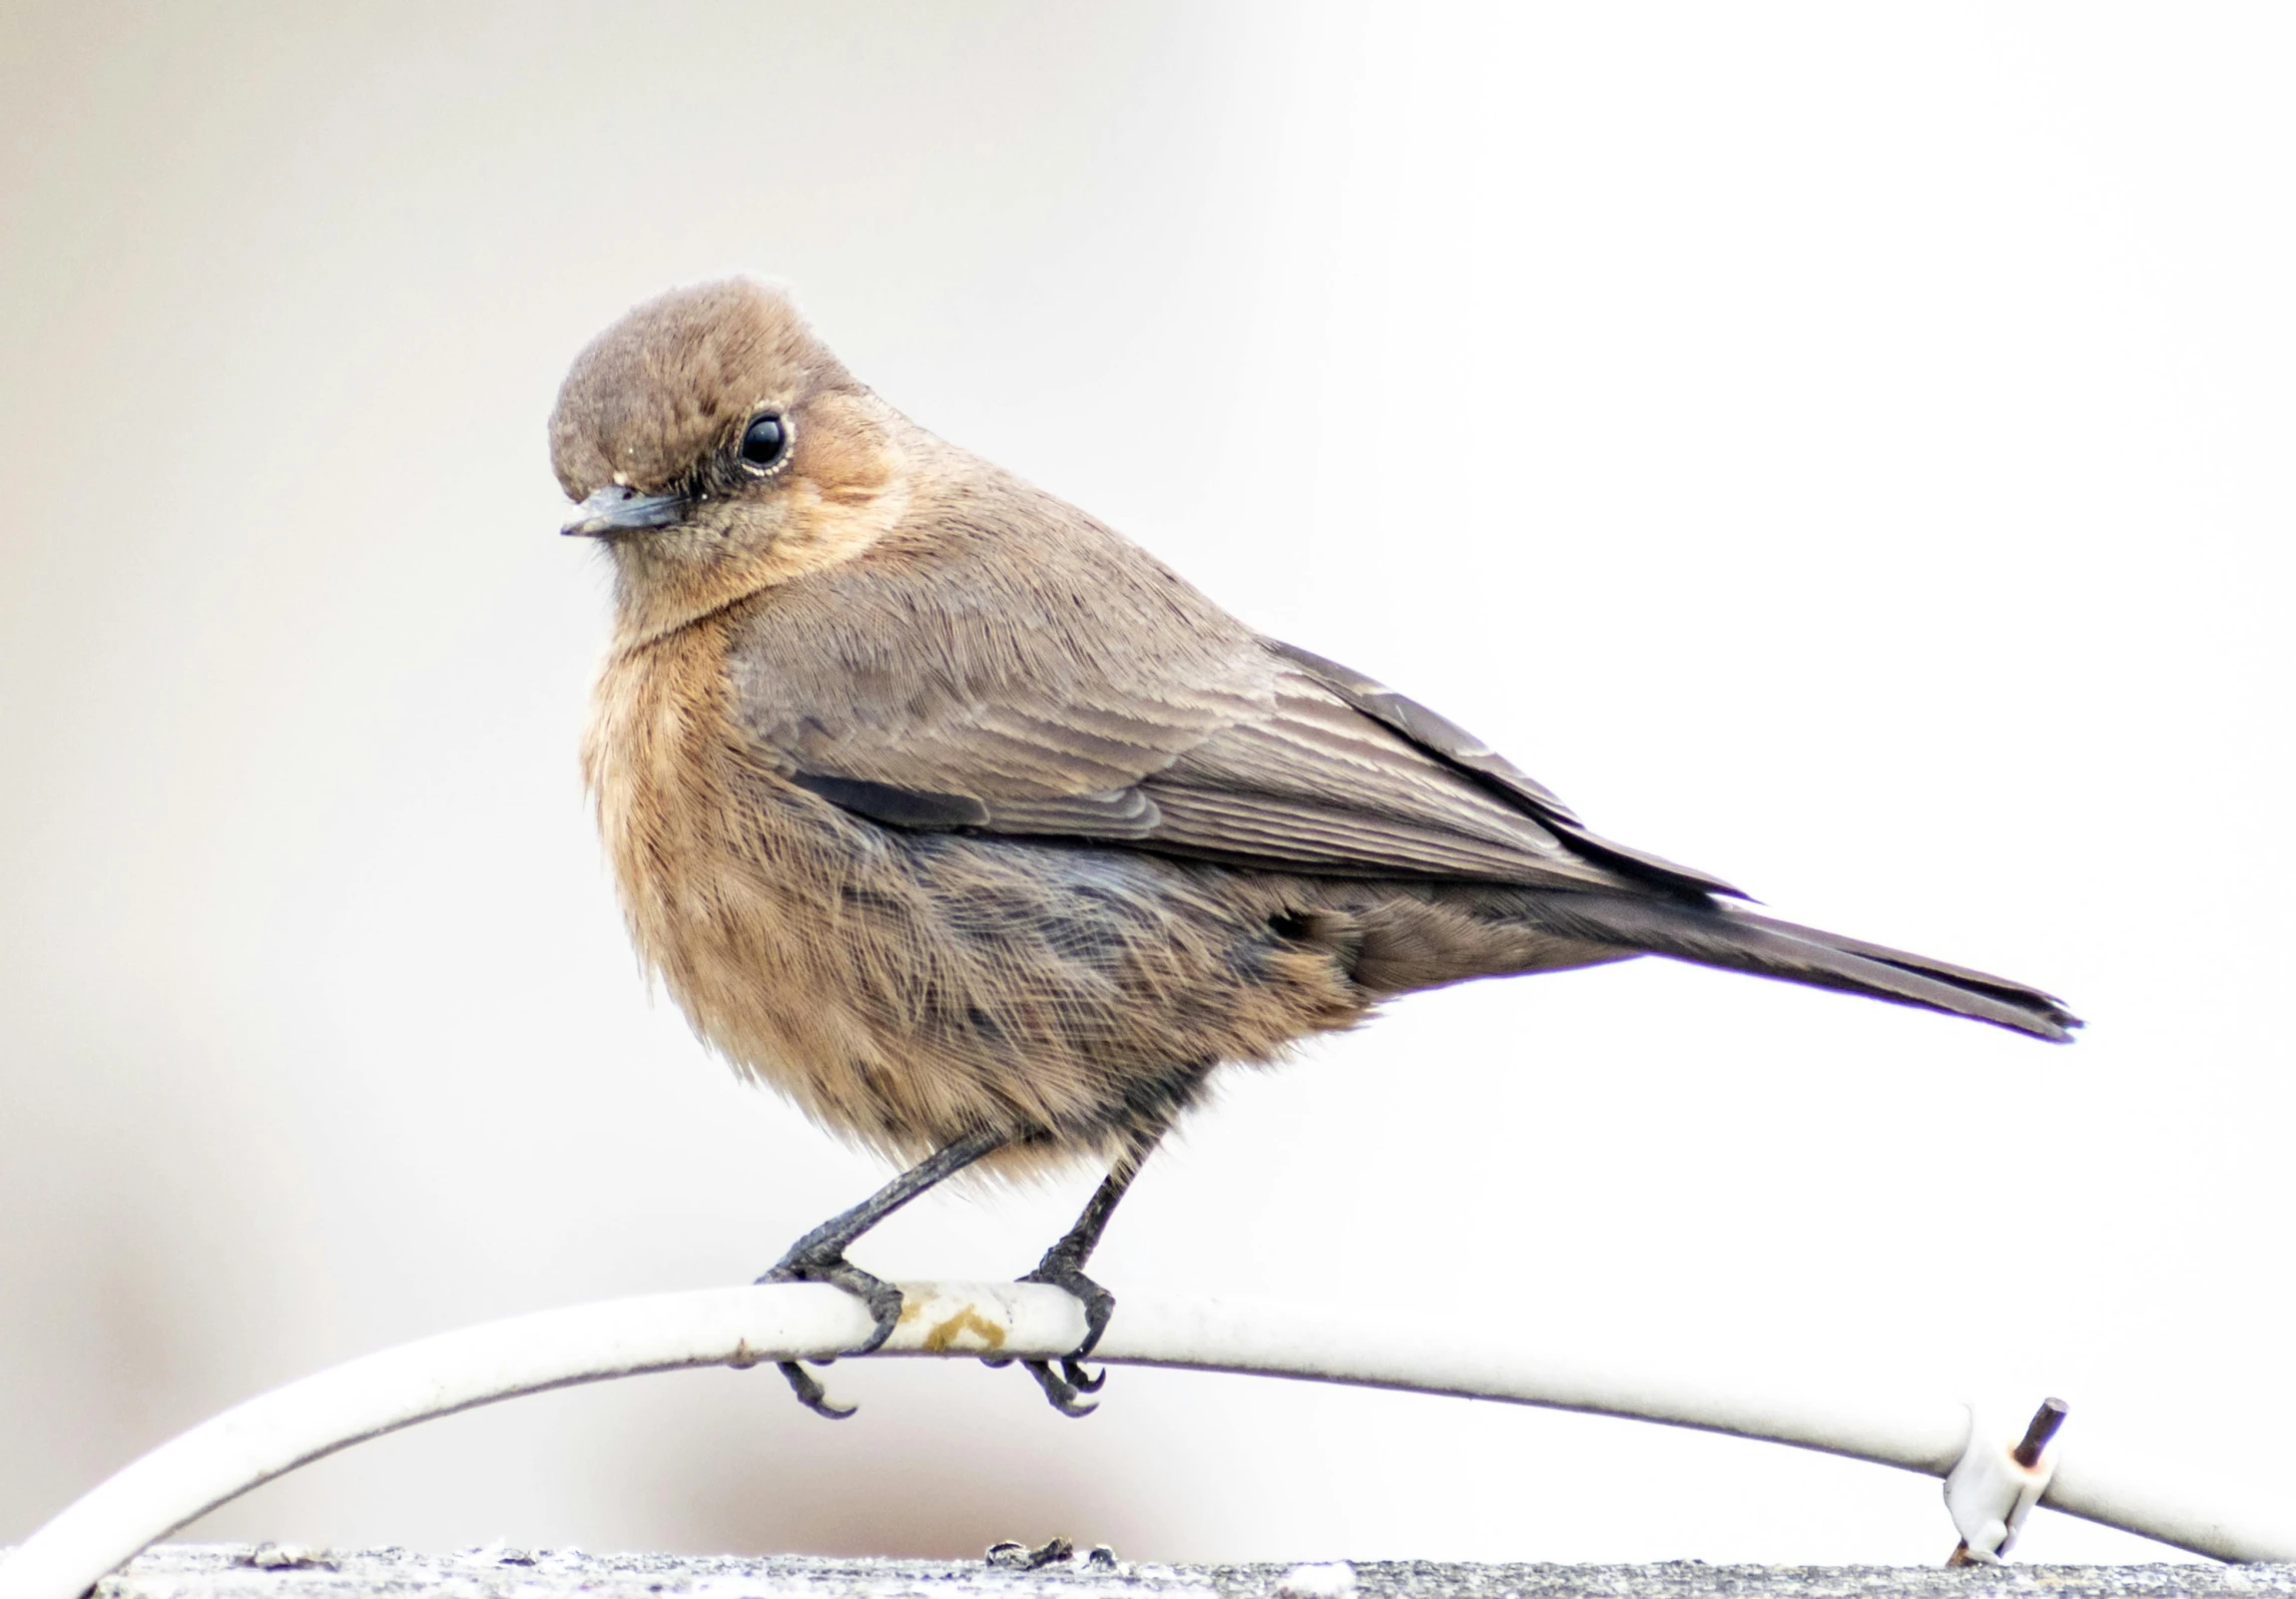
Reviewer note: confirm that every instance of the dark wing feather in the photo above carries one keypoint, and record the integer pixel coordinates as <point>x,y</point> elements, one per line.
<point>1442,737</point>
<point>894,806</point>
<point>1313,784</point>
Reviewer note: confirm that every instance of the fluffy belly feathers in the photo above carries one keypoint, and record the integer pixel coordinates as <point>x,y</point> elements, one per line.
<point>907,989</point>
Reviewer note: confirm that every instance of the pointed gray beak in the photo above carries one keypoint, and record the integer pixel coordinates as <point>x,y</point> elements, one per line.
<point>615,510</point>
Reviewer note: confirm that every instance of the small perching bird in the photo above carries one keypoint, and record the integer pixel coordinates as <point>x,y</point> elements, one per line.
<point>965,823</point>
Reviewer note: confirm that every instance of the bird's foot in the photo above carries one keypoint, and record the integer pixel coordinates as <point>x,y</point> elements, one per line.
<point>1064,1386</point>
<point>830,1266</point>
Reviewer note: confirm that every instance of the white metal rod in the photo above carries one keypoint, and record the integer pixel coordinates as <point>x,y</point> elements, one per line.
<point>273,1433</point>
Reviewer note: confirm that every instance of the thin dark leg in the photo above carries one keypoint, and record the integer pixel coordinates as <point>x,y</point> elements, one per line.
<point>819,1256</point>
<point>1063,1268</point>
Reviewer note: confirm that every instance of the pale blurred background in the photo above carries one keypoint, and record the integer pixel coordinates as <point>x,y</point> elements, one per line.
<point>1844,448</point>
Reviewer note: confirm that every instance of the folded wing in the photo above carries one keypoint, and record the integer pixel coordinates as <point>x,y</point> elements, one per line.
<point>1016,714</point>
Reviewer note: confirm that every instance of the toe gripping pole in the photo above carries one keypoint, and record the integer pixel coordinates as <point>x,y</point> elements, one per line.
<point>1371,1337</point>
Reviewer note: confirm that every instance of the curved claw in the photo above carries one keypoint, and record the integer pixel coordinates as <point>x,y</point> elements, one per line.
<point>884,1307</point>
<point>812,1395</point>
<point>1072,1379</point>
<point>1061,1392</point>
<point>1080,1379</point>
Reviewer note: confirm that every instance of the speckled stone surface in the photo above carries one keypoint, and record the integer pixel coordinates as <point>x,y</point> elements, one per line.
<point>224,1571</point>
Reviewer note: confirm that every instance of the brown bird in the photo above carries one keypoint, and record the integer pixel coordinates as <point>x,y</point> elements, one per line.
<point>962,821</point>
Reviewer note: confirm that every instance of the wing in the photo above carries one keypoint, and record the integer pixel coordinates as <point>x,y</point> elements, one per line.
<point>1446,740</point>
<point>1089,694</point>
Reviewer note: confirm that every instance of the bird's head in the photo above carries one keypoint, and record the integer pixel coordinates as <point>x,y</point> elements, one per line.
<point>716,447</point>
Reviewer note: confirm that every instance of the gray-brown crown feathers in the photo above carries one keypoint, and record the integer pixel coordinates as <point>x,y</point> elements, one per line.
<point>666,385</point>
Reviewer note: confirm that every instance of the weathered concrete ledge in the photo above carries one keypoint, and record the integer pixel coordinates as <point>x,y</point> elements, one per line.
<point>238,1571</point>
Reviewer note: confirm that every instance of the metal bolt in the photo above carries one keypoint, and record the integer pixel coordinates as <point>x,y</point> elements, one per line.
<point>2046,1421</point>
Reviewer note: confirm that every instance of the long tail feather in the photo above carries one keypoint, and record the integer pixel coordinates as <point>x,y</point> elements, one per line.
<point>1713,934</point>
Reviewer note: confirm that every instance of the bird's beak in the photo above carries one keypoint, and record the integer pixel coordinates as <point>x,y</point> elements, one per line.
<point>615,509</point>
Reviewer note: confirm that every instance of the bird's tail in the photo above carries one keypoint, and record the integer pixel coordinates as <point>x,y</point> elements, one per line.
<point>1716,935</point>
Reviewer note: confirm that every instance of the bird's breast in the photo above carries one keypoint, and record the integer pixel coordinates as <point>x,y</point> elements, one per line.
<point>713,885</point>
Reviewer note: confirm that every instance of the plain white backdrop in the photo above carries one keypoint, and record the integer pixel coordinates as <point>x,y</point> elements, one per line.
<point>1843,448</point>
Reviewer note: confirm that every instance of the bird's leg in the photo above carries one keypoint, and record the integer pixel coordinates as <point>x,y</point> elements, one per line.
<point>1063,1268</point>
<point>819,1256</point>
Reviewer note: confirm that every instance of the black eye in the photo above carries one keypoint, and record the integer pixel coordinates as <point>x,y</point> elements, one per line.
<point>762,445</point>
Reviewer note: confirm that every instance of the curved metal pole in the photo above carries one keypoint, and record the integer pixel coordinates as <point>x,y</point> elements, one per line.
<point>273,1433</point>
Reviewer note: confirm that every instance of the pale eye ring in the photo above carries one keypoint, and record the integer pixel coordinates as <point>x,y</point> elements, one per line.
<point>764,442</point>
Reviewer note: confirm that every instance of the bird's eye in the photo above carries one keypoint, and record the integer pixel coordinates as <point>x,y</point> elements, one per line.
<point>765,442</point>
